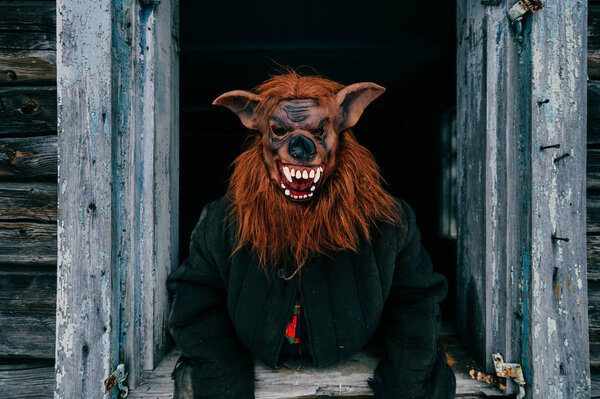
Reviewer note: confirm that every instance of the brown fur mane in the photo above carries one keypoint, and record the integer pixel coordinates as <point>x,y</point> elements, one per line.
<point>350,201</point>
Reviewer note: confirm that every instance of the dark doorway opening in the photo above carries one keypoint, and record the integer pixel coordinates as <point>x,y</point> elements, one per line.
<point>407,47</point>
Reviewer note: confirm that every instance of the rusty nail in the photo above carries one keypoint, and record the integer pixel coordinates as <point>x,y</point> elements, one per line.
<point>11,75</point>
<point>563,156</point>
<point>565,239</point>
<point>545,147</point>
<point>542,102</point>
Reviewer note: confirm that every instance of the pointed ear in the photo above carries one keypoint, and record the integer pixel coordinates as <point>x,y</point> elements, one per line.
<point>353,100</point>
<point>243,104</point>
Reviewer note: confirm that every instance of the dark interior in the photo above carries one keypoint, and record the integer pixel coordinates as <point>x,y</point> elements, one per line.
<point>407,47</point>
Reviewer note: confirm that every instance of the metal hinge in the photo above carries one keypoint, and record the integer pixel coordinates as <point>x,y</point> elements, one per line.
<point>117,378</point>
<point>510,370</point>
<point>518,10</point>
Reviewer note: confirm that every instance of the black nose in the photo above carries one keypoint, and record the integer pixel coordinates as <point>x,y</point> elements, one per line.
<point>302,148</point>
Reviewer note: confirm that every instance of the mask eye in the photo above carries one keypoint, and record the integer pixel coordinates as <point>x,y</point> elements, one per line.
<point>278,131</point>
<point>319,131</point>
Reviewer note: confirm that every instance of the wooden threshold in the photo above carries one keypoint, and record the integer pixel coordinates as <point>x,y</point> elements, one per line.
<point>301,380</point>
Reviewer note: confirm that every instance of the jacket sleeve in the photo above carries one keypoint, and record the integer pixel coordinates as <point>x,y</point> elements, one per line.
<point>221,366</point>
<point>415,364</point>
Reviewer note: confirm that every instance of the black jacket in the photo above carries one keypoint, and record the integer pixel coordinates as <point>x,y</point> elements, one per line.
<point>226,310</point>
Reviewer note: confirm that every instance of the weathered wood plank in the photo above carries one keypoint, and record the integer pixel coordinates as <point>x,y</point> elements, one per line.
<point>89,282</point>
<point>28,244</point>
<point>27,110</point>
<point>593,252</point>
<point>593,112</point>
<point>558,293</point>
<point>299,379</point>
<point>593,311</point>
<point>594,40</point>
<point>27,40</point>
<point>593,171</point>
<point>28,15</point>
<point>32,380</point>
<point>28,289</point>
<point>33,68</point>
<point>28,157</point>
<point>28,201</point>
<point>593,212</point>
<point>27,334</point>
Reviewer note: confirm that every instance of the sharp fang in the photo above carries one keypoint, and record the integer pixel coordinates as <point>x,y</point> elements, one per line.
<point>310,194</point>
<point>305,175</point>
<point>298,174</point>
<point>312,188</point>
<point>317,176</point>
<point>312,174</point>
<point>286,172</point>
<point>287,192</point>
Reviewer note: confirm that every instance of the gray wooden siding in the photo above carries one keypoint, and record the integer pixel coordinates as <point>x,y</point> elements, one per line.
<point>28,197</point>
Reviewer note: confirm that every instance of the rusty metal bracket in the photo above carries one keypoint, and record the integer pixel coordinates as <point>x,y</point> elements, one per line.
<point>510,370</point>
<point>522,7</point>
<point>117,378</point>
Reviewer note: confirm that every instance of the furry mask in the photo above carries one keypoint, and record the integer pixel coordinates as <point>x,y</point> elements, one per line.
<point>304,185</point>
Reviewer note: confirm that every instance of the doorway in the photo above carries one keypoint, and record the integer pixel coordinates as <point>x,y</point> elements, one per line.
<point>401,46</point>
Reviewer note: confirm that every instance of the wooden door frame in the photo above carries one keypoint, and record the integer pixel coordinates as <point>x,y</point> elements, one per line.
<point>118,146</point>
<point>521,117</point>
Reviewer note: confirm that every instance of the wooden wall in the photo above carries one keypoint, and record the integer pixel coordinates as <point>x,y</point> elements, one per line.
<point>593,190</point>
<point>28,192</point>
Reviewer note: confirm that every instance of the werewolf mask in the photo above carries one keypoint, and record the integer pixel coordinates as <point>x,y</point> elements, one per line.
<point>304,185</point>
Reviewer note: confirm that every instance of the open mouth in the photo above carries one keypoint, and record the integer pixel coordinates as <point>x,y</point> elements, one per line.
<point>300,182</point>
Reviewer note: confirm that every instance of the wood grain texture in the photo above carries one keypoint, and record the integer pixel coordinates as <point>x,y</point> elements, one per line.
<point>512,91</point>
<point>28,201</point>
<point>299,379</point>
<point>558,291</point>
<point>33,68</point>
<point>88,300</point>
<point>26,243</point>
<point>593,252</point>
<point>30,380</point>
<point>593,212</point>
<point>27,334</point>
<point>27,307</point>
<point>593,112</point>
<point>594,40</point>
<point>28,157</point>
<point>118,146</point>
<point>27,110</point>
<point>27,41</point>
<point>28,15</point>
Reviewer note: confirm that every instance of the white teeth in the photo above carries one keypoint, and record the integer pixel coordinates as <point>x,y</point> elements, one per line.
<point>305,175</point>
<point>298,174</point>
<point>310,194</point>
<point>295,196</point>
<point>283,186</point>
<point>305,196</point>
<point>287,192</point>
<point>312,174</point>
<point>292,172</point>
<point>318,175</point>
<point>312,188</point>
<point>286,172</point>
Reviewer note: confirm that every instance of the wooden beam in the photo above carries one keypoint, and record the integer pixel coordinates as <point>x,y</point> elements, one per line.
<point>28,157</point>
<point>32,68</point>
<point>557,350</point>
<point>27,110</point>
<point>26,243</point>
<point>28,201</point>
<point>118,156</point>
